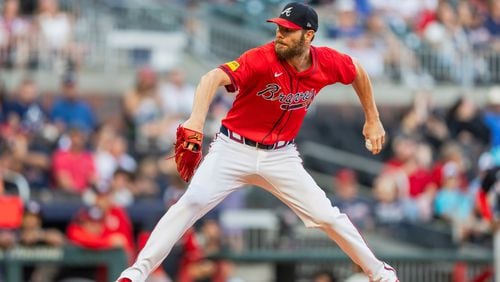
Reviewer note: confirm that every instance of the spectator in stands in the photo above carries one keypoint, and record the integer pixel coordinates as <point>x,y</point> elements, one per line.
<point>143,111</point>
<point>112,155</point>
<point>32,160</point>
<point>26,157</point>
<point>14,33</point>
<point>186,261</point>
<point>32,232</point>
<point>492,22</point>
<point>345,28</point>
<point>11,129</point>
<point>391,208</point>
<point>346,198</point>
<point>423,121</point>
<point>404,148</point>
<point>177,97</point>
<point>175,190</point>
<point>149,180</point>
<point>347,25</point>
<point>411,123</point>
<point>89,230</point>
<point>122,185</point>
<point>384,45</point>
<point>451,152</point>
<point>435,131</point>
<point>27,107</point>
<point>69,110</point>
<point>7,239</point>
<point>401,16</point>
<point>492,115</point>
<point>465,123</point>
<point>74,168</point>
<point>55,31</point>
<point>211,242</point>
<point>448,39</point>
<point>411,163</point>
<point>323,276</point>
<point>452,204</point>
<point>366,36</point>
<point>116,219</point>
<point>30,147</point>
<point>472,21</point>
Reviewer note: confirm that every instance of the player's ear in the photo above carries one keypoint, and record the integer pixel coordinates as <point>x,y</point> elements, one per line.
<point>309,35</point>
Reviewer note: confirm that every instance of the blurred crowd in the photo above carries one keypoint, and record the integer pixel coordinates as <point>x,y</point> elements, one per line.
<point>66,152</point>
<point>431,41</point>
<point>43,38</point>
<point>434,40</point>
<point>440,169</point>
<point>451,40</point>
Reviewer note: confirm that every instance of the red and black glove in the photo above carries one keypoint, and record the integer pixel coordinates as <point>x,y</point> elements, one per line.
<point>188,151</point>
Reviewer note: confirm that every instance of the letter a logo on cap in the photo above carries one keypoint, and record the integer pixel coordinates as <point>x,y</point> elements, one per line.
<point>287,11</point>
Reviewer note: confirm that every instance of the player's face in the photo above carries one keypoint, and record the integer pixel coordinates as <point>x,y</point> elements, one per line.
<point>289,43</point>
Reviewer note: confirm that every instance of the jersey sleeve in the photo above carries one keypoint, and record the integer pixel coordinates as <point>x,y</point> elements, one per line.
<point>243,70</point>
<point>341,67</point>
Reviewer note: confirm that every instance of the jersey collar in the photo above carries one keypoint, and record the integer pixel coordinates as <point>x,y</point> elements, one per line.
<point>290,69</point>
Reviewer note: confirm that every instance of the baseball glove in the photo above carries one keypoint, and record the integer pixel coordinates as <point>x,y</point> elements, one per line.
<point>187,151</point>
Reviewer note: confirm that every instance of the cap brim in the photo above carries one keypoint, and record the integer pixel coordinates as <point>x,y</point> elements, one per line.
<point>284,23</point>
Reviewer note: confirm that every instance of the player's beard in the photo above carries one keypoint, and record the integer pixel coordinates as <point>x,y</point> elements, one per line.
<point>294,49</point>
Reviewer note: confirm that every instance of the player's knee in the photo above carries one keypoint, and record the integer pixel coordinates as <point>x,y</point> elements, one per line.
<point>325,216</point>
<point>195,201</point>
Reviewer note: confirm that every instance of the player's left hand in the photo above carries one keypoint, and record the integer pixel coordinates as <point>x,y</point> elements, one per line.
<point>374,133</point>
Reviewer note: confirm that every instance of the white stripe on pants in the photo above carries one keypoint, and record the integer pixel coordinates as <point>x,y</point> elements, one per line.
<point>228,166</point>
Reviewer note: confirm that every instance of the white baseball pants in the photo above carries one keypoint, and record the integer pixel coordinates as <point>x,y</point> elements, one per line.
<point>228,166</point>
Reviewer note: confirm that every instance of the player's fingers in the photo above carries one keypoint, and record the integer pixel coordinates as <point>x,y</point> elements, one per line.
<point>378,146</point>
<point>375,143</point>
<point>370,145</point>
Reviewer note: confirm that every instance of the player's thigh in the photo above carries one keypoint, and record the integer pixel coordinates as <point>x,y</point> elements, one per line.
<point>219,173</point>
<point>290,182</point>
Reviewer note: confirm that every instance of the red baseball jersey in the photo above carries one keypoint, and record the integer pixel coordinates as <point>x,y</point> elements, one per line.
<point>273,98</point>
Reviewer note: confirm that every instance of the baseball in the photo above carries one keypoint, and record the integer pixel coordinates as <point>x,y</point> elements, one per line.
<point>368,144</point>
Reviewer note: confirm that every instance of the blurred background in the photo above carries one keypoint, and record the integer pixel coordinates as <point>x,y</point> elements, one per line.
<point>91,92</point>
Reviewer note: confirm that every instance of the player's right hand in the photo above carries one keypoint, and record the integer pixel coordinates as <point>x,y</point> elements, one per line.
<point>374,133</point>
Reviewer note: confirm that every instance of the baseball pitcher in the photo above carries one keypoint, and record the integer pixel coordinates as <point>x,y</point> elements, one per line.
<point>275,85</point>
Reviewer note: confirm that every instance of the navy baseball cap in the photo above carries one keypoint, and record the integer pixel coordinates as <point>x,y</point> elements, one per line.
<point>297,16</point>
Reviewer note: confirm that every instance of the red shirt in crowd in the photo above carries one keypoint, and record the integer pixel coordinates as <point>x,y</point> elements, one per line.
<point>78,165</point>
<point>419,178</point>
<point>98,233</point>
<point>437,176</point>
<point>273,98</point>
